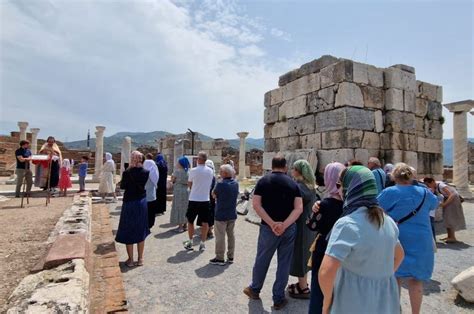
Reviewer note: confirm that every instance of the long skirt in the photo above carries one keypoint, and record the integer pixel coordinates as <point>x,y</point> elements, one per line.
<point>54,179</point>
<point>133,225</point>
<point>453,216</point>
<point>161,199</point>
<point>152,210</point>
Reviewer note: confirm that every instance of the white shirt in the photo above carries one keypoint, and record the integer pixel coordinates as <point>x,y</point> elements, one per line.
<point>201,177</point>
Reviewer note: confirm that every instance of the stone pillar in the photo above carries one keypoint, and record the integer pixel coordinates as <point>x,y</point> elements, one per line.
<point>99,151</point>
<point>22,126</point>
<point>34,145</point>
<point>126,152</point>
<point>242,136</point>
<point>460,151</point>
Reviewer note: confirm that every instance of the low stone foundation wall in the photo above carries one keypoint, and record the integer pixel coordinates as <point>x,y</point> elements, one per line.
<point>61,281</point>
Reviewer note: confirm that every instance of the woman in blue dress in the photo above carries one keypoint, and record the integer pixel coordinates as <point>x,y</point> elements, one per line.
<point>400,202</point>
<point>357,272</point>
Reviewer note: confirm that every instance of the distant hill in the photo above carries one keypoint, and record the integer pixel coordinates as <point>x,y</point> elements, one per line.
<point>448,150</point>
<point>113,143</point>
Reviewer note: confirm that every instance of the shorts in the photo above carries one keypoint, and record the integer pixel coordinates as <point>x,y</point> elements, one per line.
<point>198,209</point>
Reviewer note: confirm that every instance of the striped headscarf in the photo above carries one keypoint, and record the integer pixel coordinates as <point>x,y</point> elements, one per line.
<point>304,168</point>
<point>136,159</point>
<point>331,176</point>
<point>359,189</point>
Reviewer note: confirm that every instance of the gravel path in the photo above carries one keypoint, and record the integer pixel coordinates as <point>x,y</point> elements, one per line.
<point>174,280</point>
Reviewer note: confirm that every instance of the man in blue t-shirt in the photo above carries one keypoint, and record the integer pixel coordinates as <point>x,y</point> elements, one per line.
<point>277,200</point>
<point>225,193</point>
<point>23,171</point>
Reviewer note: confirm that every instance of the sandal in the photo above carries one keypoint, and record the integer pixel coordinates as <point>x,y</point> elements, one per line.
<point>129,263</point>
<point>140,262</point>
<point>296,292</point>
<point>451,240</point>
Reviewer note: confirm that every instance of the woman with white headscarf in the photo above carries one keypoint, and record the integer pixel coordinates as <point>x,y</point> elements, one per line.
<point>150,188</point>
<point>107,178</point>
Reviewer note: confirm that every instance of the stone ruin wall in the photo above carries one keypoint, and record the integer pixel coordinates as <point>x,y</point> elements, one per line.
<point>334,109</point>
<point>172,147</point>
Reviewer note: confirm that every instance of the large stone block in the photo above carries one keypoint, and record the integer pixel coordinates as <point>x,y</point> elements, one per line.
<point>272,145</point>
<point>379,121</point>
<point>293,143</point>
<point>371,140</point>
<point>396,78</point>
<point>464,284</point>
<point>321,101</point>
<point>317,64</point>
<point>373,97</point>
<point>404,67</point>
<point>301,86</point>
<point>292,108</point>
<point>267,131</point>
<point>275,97</point>
<point>398,141</point>
<point>421,107</point>
<point>432,129</point>
<point>349,94</point>
<point>361,73</point>
<point>342,139</point>
<point>301,126</point>
<point>336,73</point>
<point>428,91</point>
<point>426,145</point>
<point>395,156</point>
<point>409,101</point>
<point>375,76</point>
<point>280,129</point>
<point>66,248</point>
<point>327,156</point>
<point>402,122</point>
<point>283,144</point>
<point>435,110</point>
<point>311,141</point>
<point>345,118</point>
<point>430,163</point>
<point>288,77</point>
<point>394,99</point>
<point>270,114</point>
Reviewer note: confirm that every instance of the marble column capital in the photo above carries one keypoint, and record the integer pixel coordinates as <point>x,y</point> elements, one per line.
<point>242,134</point>
<point>34,131</point>
<point>100,128</point>
<point>460,106</point>
<point>22,124</point>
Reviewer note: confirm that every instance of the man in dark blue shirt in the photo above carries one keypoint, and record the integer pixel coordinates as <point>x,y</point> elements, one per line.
<point>277,200</point>
<point>225,193</point>
<point>23,172</point>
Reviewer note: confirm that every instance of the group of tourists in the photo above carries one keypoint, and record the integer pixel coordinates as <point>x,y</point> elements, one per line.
<point>370,232</point>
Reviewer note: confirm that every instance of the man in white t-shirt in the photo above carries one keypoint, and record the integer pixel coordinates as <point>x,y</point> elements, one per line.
<point>199,181</point>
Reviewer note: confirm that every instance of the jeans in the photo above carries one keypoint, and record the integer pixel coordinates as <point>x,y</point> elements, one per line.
<point>82,183</point>
<point>268,243</point>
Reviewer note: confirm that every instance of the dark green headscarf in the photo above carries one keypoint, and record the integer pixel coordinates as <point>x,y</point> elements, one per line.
<point>359,188</point>
<point>303,167</point>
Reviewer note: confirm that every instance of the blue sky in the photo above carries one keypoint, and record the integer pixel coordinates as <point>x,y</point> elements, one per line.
<point>66,66</point>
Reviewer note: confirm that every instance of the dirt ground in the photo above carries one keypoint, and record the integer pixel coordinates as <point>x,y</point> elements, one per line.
<point>22,238</point>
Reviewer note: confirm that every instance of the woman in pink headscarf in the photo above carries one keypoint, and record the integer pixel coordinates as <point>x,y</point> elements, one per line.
<point>322,220</point>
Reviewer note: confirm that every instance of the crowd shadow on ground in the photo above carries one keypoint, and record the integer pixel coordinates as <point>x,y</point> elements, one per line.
<point>457,246</point>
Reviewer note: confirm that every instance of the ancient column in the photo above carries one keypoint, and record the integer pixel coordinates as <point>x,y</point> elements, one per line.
<point>22,126</point>
<point>125,153</point>
<point>460,151</point>
<point>242,136</point>
<point>99,151</point>
<point>34,144</point>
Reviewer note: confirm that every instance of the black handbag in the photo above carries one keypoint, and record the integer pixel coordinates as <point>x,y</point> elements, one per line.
<point>414,212</point>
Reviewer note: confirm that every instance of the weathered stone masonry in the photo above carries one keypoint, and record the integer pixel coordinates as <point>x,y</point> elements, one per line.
<point>343,110</point>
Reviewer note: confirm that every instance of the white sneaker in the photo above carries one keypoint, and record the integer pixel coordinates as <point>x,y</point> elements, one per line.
<point>202,247</point>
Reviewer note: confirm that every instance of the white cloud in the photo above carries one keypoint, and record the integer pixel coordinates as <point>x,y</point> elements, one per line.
<point>278,33</point>
<point>135,66</point>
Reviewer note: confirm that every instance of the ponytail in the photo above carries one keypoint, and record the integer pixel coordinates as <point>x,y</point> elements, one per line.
<point>376,216</point>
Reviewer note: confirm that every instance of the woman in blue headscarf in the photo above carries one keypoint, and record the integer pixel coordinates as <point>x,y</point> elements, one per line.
<point>357,272</point>
<point>161,188</point>
<point>180,194</point>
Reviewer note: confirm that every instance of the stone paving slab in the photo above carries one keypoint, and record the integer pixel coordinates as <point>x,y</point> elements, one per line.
<point>174,280</point>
